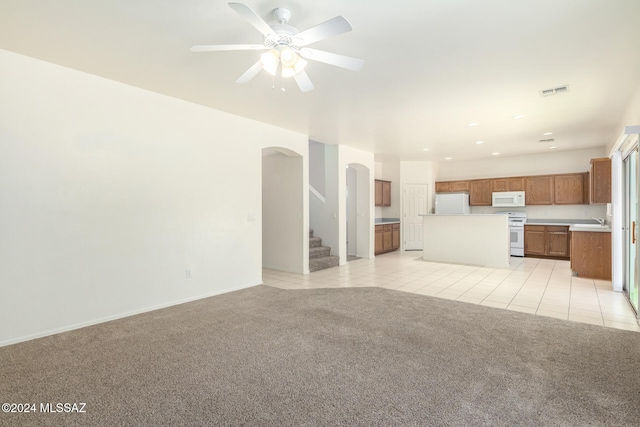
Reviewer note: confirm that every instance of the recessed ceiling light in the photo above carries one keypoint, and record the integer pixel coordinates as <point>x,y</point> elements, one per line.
<point>473,124</point>
<point>448,158</point>
<point>553,147</point>
<point>496,153</point>
<point>519,116</point>
<point>479,142</point>
<point>547,133</point>
<point>425,149</point>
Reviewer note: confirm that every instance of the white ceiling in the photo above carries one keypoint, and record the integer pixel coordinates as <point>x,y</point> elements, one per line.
<point>431,66</point>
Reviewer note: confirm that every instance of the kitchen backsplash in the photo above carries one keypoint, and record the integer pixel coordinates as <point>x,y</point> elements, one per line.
<point>551,212</point>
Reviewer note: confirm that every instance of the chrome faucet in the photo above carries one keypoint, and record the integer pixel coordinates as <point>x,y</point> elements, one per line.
<point>600,220</point>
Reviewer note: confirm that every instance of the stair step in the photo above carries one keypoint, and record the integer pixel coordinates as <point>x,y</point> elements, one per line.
<point>319,252</point>
<point>316,264</point>
<point>315,242</point>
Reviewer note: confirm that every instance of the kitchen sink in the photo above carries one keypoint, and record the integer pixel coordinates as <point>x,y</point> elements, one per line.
<point>590,225</point>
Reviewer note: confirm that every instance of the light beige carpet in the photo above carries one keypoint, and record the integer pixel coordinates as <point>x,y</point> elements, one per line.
<point>358,356</point>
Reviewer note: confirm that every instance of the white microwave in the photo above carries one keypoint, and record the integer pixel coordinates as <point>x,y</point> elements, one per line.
<point>507,199</point>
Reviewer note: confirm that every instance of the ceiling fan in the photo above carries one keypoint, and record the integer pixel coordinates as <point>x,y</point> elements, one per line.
<point>286,46</point>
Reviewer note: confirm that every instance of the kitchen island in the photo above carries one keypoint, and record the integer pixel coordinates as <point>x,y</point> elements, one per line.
<point>481,240</point>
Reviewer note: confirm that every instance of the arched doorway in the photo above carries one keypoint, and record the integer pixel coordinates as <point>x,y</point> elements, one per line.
<point>357,236</point>
<point>283,222</point>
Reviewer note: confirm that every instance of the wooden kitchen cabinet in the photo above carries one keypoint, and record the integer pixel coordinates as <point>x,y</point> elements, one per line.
<point>558,189</point>
<point>591,254</point>
<point>387,238</point>
<point>508,184</point>
<point>534,240</point>
<point>395,236</point>
<point>379,233</point>
<point>569,189</point>
<point>378,191</point>
<point>452,186</point>
<point>383,192</point>
<point>558,242</point>
<point>539,190</point>
<point>516,184</point>
<point>550,241</point>
<point>500,184</point>
<point>480,192</point>
<point>600,188</point>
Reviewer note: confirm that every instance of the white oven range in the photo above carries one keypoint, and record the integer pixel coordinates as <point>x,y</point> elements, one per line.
<point>516,231</point>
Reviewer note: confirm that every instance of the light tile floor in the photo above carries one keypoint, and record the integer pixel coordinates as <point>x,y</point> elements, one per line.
<point>530,285</point>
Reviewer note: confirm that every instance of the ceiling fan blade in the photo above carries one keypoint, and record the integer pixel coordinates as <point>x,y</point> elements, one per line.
<point>303,81</point>
<point>253,18</point>
<point>250,73</point>
<point>330,28</point>
<point>219,47</point>
<point>341,61</point>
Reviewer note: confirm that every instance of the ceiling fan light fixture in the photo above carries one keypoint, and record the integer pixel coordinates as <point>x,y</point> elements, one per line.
<point>285,46</point>
<point>288,57</point>
<point>270,61</point>
<point>288,72</point>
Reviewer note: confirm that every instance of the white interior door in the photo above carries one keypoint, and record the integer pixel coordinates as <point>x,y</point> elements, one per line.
<point>414,204</point>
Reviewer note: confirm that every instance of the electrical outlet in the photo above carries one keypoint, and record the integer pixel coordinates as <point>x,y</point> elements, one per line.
<point>187,274</point>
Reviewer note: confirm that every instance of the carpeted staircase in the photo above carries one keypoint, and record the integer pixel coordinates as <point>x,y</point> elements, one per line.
<point>320,256</point>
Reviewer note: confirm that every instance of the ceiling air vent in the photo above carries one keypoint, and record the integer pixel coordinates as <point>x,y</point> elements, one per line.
<point>547,140</point>
<point>554,91</point>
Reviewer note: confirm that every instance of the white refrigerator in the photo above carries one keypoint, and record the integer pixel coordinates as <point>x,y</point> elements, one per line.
<point>452,203</point>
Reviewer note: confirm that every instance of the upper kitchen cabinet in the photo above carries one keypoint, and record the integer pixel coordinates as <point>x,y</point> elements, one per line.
<point>452,186</point>
<point>516,184</point>
<point>539,190</point>
<point>480,192</point>
<point>571,189</point>
<point>508,184</point>
<point>383,192</point>
<point>600,187</point>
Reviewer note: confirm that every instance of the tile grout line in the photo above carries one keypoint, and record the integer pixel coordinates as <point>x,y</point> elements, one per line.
<point>519,289</point>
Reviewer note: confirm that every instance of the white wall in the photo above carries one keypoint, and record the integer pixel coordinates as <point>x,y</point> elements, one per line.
<point>317,166</point>
<point>533,164</point>
<point>630,117</point>
<point>109,193</point>
<point>283,239</point>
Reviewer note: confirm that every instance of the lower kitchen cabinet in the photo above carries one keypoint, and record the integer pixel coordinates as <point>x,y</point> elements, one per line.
<point>551,241</point>
<point>591,254</point>
<point>387,238</point>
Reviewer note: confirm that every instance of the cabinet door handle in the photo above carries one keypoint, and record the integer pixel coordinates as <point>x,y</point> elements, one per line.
<point>633,232</point>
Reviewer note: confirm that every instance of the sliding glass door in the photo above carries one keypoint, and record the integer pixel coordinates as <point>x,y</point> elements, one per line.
<point>631,226</point>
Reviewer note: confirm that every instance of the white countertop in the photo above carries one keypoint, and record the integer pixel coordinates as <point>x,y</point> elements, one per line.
<point>590,228</point>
